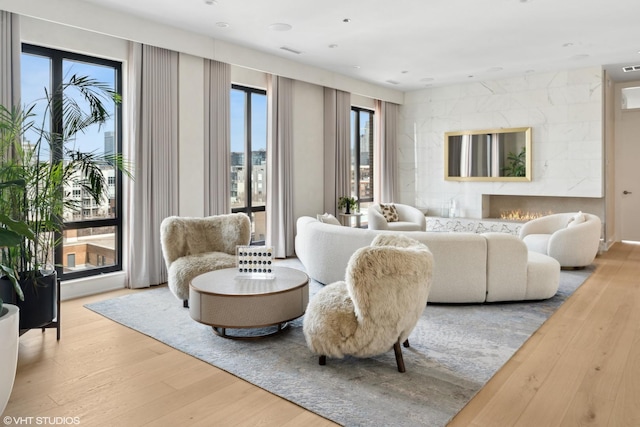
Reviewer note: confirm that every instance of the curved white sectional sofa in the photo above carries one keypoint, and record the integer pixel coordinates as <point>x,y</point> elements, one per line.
<point>468,267</point>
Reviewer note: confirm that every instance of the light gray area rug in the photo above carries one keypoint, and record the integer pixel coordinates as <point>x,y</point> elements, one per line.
<point>455,350</point>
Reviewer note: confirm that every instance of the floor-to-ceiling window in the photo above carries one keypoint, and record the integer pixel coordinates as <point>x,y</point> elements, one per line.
<point>362,157</point>
<point>249,157</point>
<point>91,242</point>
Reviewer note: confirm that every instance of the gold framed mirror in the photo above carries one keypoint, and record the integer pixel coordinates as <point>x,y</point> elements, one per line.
<point>488,155</point>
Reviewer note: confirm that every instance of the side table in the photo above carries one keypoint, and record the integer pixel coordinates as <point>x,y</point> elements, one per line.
<point>345,218</point>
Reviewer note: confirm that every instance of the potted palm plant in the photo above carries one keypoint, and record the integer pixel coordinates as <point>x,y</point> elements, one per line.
<point>35,175</point>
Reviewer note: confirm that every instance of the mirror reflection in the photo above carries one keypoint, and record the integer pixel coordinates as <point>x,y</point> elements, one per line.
<point>488,155</point>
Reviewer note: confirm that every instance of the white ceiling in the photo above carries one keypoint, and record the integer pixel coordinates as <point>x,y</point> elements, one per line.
<point>416,43</point>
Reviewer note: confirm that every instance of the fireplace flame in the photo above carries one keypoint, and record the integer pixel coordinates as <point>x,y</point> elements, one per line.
<point>519,215</point>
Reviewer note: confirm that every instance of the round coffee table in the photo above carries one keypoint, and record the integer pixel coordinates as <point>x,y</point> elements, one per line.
<point>226,300</point>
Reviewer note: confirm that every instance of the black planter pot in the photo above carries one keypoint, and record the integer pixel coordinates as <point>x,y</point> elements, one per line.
<point>39,307</point>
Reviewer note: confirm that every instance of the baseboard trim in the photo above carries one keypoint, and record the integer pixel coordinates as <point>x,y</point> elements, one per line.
<point>76,288</point>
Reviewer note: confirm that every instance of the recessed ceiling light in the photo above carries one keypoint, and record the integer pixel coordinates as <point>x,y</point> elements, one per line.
<point>222,25</point>
<point>333,46</point>
<point>357,67</point>
<point>211,2</point>
<point>569,44</point>
<point>404,71</point>
<point>279,26</point>
<point>346,20</point>
<point>393,82</point>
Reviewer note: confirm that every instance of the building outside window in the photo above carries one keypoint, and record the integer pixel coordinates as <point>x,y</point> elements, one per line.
<point>90,230</point>
<point>362,158</point>
<point>249,157</point>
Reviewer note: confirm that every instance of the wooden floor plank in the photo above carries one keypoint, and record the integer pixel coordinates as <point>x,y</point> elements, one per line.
<point>594,400</point>
<point>554,369</point>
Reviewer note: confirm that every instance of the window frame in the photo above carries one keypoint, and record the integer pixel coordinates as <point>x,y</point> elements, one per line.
<point>248,209</point>
<point>356,137</point>
<point>57,57</point>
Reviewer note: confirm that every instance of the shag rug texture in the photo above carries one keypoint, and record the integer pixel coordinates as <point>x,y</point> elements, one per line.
<point>455,350</point>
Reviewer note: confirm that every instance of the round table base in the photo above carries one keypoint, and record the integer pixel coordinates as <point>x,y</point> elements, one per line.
<point>271,330</point>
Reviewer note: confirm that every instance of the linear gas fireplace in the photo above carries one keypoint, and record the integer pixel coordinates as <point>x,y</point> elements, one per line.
<point>524,208</point>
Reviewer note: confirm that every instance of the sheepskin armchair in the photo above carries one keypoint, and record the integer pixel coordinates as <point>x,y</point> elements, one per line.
<point>408,218</point>
<point>377,305</point>
<point>192,246</point>
<point>572,238</point>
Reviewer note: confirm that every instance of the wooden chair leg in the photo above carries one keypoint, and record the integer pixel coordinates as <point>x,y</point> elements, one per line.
<point>185,303</point>
<point>323,360</point>
<point>406,343</point>
<point>399,360</point>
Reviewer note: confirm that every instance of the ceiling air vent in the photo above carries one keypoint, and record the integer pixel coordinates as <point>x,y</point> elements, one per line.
<point>288,49</point>
<point>630,68</point>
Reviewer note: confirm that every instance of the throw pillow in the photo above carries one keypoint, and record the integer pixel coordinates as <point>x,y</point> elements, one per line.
<point>576,219</point>
<point>327,218</point>
<point>389,212</point>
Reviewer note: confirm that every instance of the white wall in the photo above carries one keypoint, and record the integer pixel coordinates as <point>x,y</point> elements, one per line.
<point>191,135</point>
<point>564,110</point>
<point>308,149</point>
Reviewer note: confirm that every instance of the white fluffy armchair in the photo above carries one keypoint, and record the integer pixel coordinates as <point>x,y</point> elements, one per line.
<point>408,218</point>
<point>192,246</point>
<point>571,238</point>
<point>377,306</point>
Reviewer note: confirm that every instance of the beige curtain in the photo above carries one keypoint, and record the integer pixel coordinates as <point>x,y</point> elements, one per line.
<point>10,49</point>
<point>280,220</point>
<point>466,156</point>
<point>385,163</point>
<point>217,136</point>
<point>337,147</point>
<point>153,150</point>
<point>495,158</point>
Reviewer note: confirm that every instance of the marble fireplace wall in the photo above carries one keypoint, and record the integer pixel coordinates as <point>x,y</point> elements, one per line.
<point>564,110</point>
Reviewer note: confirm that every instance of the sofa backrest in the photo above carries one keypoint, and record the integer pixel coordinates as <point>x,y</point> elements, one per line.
<point>460,259</point>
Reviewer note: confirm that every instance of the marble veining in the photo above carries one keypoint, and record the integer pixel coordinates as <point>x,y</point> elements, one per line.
<point>563,108</point>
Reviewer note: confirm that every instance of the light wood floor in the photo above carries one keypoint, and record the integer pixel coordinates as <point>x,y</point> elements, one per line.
<point>581,368</point>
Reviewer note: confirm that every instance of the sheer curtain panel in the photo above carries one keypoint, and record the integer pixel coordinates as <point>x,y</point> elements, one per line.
<point>217,135</point>
<point>153,150</point>
<point>337,147</point>
<point>280,220</point>
<point>385,159</point>
<point>10,49</point>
